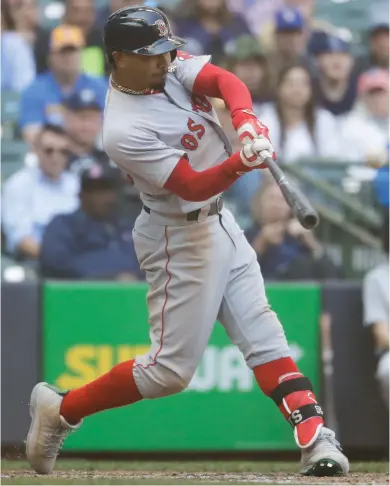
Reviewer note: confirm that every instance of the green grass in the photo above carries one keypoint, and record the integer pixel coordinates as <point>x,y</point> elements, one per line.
<point>135,472</point>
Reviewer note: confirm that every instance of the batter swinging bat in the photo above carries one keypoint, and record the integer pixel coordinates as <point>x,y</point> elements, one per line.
<point>301,207</point>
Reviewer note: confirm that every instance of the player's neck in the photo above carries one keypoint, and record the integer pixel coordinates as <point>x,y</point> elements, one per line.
<point>123,80</point>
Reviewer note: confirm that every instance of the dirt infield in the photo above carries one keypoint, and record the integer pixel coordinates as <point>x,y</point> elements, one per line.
<point>71,472</point>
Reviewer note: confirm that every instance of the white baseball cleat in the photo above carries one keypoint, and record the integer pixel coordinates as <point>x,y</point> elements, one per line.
<point>324,457</point>
<point>48,429</point>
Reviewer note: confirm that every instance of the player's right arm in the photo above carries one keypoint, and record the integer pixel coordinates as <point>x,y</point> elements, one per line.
<point>191,185</point>
<point>146,158</point>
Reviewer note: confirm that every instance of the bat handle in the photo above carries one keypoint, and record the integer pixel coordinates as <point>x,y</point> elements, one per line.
<point>264,154</point>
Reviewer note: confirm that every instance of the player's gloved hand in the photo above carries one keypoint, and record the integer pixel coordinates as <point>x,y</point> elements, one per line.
<point>254,153</point>
<point>249,127</point>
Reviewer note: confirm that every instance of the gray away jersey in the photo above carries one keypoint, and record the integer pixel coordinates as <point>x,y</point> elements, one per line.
<point>147,135</point>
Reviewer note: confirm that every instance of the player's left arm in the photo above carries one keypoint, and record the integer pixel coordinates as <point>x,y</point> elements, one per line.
<point>216,82</point>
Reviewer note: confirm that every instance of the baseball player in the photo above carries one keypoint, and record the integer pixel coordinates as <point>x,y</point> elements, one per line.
<point>162,131</point>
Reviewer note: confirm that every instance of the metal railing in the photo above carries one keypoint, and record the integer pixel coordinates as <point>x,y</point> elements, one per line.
<point>351,223</point>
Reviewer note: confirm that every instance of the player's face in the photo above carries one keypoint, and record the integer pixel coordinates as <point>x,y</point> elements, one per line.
<point>335,65</point>
<point>295,89</point>
<point>52,151</point>
<point>144,71</point>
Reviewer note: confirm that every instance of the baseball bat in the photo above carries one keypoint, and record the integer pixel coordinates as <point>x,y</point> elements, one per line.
<point>300,205</point>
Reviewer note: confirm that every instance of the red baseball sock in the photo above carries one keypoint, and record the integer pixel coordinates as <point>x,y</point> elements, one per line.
<point>114,389</point>
<point>272,374</point>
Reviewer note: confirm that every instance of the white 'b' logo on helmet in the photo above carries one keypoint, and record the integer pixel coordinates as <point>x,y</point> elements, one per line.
<point>162,28</point>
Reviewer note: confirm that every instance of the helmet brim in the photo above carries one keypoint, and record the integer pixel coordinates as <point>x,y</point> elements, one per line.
<point>162,46</point>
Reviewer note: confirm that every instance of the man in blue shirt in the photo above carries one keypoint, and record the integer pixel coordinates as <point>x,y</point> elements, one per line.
<point>34,195</point>
<point>93,242</point>
<point>42,101</point>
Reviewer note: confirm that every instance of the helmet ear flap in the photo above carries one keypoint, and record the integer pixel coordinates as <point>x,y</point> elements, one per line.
<point>173,55</point>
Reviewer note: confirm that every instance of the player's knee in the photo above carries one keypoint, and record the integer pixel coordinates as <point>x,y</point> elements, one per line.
<point>175,383</point>
<point>167,381</point>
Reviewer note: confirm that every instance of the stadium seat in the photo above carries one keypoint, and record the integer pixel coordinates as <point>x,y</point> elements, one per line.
<point>13,153</point>
<point>10,102</point>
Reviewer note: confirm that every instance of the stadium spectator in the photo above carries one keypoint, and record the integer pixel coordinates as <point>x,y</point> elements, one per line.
<point>290,40</point>
<point>298,128</point>
<point>82,14</point>
<point>208,27</point>
<point>34,195</point>
<point>114,5</point>
<point>285,250</point>
<point>365,131</point>
<point>42,101</point>
<point>83,122</point>
<point>93,242</point>
<point>376,314</point>
<point>336,85</point>
<point>258,15</point>
<point>17,59</point>
<point>378,42</point>
<point>25,14</point>
<point>248,62</point>
<point>312,24</point>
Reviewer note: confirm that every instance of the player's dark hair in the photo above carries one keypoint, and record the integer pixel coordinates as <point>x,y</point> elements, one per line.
<point>309,110</point>
<point>111,61</point>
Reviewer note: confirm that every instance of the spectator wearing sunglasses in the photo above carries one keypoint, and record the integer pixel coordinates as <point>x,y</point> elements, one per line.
<point>34,195</point>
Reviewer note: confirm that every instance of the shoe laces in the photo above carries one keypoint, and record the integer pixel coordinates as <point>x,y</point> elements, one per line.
<point>330,438</point>
<point>54,441</point>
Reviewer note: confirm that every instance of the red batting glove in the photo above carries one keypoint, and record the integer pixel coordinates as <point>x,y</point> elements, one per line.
<point>249,127</point>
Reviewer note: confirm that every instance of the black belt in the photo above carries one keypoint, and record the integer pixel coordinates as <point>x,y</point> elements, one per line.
<point>215,208</point>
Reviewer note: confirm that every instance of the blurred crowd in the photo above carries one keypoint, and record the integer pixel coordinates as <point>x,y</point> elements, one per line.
<point>323,97</point>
